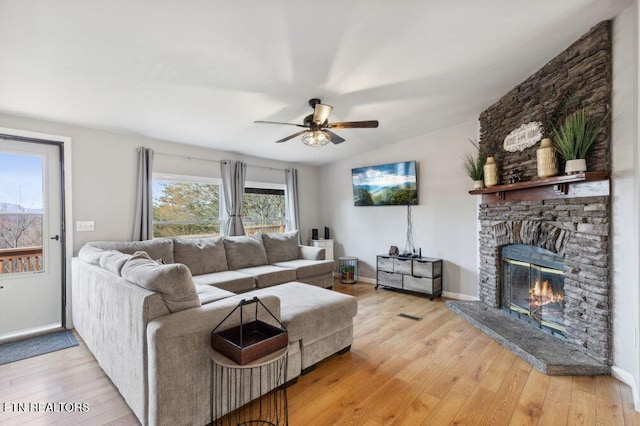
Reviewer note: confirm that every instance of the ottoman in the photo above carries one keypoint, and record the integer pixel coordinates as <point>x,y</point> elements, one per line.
<point>320,320</point>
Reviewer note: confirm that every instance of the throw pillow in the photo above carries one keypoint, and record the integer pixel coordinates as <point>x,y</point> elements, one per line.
<point>173,281</point>
<point>159,248</point>
<point>202,255</point>
<point>91,254</point>
<point>244,252</point>
<point>281,247</point>
<point>113,261</point>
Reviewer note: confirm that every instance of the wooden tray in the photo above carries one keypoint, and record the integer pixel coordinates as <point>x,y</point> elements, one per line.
<point>258,339</point>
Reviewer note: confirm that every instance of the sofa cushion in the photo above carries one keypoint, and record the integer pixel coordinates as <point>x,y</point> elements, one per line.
<point>91,254</point>
<point>311,313</point>
<point>209,293</point>
<point>113,261</point>
<point>172,281</point>
<point>244,252</point>
<point>281,247</point>
<point>308,268</point>
<point>201,255</point>
<point>268,275</point>
<point>160,248</point>
<point>227,280</point>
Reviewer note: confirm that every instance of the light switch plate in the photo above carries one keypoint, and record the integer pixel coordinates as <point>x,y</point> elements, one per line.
<point>85,226</point>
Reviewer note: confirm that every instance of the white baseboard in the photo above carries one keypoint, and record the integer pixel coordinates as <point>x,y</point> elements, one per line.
<point>627,378</point>
<point>459,296</point>
<point>367,280</point>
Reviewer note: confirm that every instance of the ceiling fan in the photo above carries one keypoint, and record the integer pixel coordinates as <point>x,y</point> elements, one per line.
<point>316,126</point>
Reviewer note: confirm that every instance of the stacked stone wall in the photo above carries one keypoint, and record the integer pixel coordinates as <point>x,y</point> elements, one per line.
<point>579,76</point>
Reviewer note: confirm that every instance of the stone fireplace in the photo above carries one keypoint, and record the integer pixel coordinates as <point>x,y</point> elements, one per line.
<point>551,235</point>
<point>567,244</point>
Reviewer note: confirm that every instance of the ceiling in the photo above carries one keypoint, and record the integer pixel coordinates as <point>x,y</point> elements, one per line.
<point>200,72</point>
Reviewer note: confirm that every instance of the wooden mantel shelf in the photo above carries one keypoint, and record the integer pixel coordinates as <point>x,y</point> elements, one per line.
<point>587,184</point>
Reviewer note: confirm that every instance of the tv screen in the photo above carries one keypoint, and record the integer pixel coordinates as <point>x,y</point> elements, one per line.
<point>385,185</point>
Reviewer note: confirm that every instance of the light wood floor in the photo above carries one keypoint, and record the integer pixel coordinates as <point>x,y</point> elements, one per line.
<point>437,371</point>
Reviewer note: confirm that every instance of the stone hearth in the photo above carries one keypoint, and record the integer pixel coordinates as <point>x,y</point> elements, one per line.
<point>545,352</point>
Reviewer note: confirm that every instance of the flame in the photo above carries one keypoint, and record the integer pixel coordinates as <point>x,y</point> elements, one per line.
<point>542,294</point>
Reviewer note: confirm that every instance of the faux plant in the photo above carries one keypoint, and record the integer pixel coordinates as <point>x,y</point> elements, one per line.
<point>473,164</point>
<point>577,134</point>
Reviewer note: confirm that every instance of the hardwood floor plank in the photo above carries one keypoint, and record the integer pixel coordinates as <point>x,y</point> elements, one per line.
<point>439,370</point>
<point>608,402</point>
<point>529,407</point>
<point>501,409</point>
<point>555,410</point>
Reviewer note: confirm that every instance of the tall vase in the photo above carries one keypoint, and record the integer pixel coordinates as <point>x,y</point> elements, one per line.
<point>490,173</point>
<point>547,159</point>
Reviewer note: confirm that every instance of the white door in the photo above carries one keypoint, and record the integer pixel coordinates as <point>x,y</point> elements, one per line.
<point>30,238</point>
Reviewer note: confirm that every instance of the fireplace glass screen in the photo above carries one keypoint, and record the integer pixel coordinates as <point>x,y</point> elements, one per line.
<point>533,286</point>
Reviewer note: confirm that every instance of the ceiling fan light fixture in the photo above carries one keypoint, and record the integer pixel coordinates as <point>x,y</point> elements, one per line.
<point>316,138</point>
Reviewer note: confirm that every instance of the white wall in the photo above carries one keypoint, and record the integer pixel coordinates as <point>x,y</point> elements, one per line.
<point>444,222</point>
<point>104,173</point>
<point>625,206</point>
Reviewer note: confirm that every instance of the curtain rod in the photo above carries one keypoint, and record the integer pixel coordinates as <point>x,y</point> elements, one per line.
<point>212,161</point>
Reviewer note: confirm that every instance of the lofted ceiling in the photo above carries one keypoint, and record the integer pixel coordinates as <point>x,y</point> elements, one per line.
<point>200,72</point>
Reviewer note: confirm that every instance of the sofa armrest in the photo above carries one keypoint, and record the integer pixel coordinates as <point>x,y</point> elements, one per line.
<point>111,315</point>
<point>179,360</point>
<point>311,253</point>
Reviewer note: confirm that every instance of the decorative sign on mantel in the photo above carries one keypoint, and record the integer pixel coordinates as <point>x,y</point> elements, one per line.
<point>523,137</point>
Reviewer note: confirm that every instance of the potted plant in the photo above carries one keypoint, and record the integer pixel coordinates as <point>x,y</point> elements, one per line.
<point>473,165</point>
<point>574,138</point>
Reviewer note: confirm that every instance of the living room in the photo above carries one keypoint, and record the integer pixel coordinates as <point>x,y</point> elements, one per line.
<point>424,117</point>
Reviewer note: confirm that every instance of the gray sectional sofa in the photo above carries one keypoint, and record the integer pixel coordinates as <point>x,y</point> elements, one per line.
<point>146,310</point>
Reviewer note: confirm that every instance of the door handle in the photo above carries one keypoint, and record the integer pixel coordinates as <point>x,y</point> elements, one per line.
<point>57,237</point>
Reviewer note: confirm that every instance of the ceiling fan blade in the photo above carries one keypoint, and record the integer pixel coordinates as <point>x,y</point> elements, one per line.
<point>321,113</point>
<point>335,138</point>
<point>354,124</point>
<point>279,122</point>
<point>292,136</point>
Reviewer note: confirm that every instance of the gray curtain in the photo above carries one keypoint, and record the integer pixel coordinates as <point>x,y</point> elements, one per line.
<point>233,177</point>
<point>143,220</point>
<point>291,202</point>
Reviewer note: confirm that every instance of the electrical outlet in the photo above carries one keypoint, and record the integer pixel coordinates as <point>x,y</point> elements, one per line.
<point>85,226</point>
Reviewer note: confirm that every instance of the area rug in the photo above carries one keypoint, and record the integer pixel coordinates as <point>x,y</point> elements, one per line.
<point>27,348</point>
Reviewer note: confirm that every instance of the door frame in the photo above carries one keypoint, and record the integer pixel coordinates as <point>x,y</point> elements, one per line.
<point>64,145</point>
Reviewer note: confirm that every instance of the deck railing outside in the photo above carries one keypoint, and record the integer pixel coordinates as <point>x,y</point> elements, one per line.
<point>263,229</point>
<point>23,259</point>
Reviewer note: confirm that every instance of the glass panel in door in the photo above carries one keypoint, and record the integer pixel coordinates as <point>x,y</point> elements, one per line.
<point>30,243</point>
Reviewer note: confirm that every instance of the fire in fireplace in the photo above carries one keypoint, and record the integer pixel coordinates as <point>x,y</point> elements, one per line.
<point>532,284</point>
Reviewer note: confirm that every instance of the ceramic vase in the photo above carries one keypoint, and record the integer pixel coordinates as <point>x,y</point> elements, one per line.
<point>490,173</point>
<point>478,184</point>
<point>575,166</point>
<point>547,159</point>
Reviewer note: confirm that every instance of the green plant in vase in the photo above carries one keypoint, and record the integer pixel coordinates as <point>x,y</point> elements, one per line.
<point>575,137</point>
<point>473,165</point>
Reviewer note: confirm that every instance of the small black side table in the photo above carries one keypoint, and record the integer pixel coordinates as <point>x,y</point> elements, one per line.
<point>253,393</point>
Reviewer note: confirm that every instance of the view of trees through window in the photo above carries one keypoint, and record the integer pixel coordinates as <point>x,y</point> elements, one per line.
<point>20,211</point>
<point>192,208</point>
<point>185,208</point>
<point>263,210</point>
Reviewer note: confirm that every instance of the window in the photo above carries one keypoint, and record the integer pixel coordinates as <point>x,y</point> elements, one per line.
<point>184,205</point>
<point>263,208</point>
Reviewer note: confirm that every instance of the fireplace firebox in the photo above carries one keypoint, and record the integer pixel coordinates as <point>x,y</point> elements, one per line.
<point>532,284</point>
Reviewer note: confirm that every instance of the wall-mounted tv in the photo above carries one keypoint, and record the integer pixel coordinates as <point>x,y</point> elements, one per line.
<point>386,185</point>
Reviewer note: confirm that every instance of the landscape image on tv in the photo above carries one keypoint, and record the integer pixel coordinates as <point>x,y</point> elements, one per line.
<point>385,185</point>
